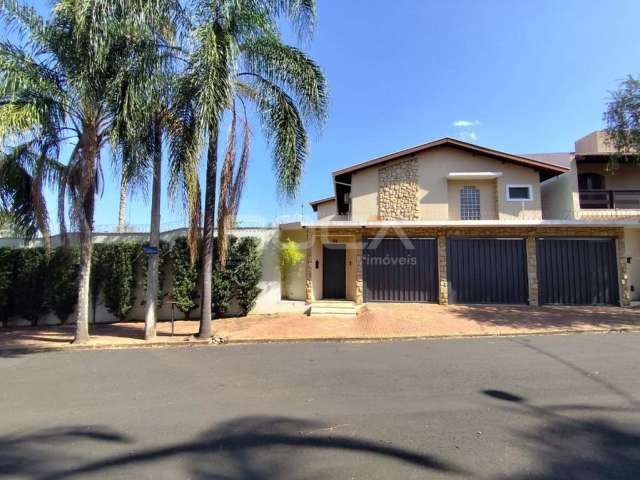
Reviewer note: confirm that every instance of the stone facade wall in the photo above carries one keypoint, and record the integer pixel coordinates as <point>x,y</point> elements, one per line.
<point>443,292</point>
<point>398,191</point>
<point>528,233</point>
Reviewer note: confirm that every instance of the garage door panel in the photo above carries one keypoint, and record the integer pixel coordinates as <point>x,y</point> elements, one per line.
<point>487,270</point>
<point>577,271</point>
<point>400,270</point>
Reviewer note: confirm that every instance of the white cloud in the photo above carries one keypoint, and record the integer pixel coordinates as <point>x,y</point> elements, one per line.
<point>469,136</point>
<point>465,123</point>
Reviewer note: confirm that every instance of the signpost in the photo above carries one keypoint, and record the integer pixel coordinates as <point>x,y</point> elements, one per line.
<point>149,250</point>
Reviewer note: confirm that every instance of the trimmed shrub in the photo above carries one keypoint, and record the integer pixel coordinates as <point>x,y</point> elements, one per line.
<point>247,273</point>
<point>98,276</point>
<point>28,292</point>
<point>184,287</point>
<point>7,258</point>
<point>62,281</point>
<point>119,261</point>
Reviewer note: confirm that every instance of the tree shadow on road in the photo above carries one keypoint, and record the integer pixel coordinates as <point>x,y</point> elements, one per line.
<point>243,448</point>
<point>567,447</point>
<point>29,455</point>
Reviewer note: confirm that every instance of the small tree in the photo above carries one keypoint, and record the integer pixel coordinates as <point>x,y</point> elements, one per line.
<point>623,122</point>
<point>120,280</point>
<point>62,283</point>
<point>290,256</point>
<point>247,274</point>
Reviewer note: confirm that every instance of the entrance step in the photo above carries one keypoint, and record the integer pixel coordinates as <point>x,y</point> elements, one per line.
<point>337,308</point>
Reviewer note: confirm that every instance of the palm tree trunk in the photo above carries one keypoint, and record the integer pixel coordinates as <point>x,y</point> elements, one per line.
<point>209,222</point>
<point>154,236</point>
<point>122,207</point>
<point>86,200</point>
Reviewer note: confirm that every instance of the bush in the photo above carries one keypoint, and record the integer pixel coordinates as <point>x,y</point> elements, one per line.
<point>185,277</point>
<point>119,261</point>
<point>62,281</point>
<point>290,256</point>
<point>98,275</point>
<point>28,292</point>
<point>222,290</point>
<point>238,278</point>
<point>247,273</point>
<point>7,258</point>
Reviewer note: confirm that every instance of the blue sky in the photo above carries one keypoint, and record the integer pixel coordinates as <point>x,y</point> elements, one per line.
<point>532,76</point>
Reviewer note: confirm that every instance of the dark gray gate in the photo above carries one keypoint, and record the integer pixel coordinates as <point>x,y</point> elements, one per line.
<point>400,270</point>
<point>487,270</point>
<point>577,271</point>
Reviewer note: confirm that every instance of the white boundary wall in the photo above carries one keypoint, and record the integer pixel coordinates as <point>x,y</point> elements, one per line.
<point>268,302</point>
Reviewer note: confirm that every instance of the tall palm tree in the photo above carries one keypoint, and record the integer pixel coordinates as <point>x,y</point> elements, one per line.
<point>64,82</point>
<point>239,56</point>
<point>144,103</point>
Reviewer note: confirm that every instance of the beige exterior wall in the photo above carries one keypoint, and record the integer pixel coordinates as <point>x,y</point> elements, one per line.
<point>595,142</point>
<point>319,238</point>
<point>326,210</point>
<point>488,198</point>
<point>433,187</point>
<point>364,194</point>
<point>626,177</point>
<point>560,198</point>
<point>632,252</point>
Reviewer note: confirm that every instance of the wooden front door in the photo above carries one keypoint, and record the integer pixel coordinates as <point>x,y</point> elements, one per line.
<point>334,271</point>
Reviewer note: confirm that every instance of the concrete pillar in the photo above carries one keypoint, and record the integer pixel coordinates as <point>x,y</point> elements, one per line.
<point>359,282</point>
<point>309,269</point>
<point>443,297</point>
<point>623,272</point>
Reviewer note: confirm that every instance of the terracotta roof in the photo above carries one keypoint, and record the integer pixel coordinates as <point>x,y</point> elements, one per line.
<point>447,141</point>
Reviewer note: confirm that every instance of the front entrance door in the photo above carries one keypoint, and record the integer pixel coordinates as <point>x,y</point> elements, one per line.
<point>333,271</point>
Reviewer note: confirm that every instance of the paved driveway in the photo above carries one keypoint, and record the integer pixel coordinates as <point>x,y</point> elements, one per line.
<point>551,407</point>
<point>375,321</point>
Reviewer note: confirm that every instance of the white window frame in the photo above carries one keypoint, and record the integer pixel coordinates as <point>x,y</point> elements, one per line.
<point>529,187</point>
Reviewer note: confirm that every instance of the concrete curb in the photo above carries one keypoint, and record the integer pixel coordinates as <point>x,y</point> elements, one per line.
<point>223,341</point>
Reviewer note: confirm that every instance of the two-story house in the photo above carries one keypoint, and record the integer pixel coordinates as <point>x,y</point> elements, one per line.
<point>453,222</point>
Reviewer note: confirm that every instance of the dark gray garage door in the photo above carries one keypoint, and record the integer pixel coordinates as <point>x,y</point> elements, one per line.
<point>400,270</point>
<point>577,271</point>
<point>487,270</point>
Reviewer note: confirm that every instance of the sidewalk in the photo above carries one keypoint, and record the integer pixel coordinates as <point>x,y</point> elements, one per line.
<point>375,321</point>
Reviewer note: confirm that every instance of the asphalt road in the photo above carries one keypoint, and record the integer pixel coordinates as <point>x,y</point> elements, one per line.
<point>549,407</point>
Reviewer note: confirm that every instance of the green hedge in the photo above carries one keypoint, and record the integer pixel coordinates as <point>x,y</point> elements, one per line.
<point>33,282</point>
<point>238,278</point>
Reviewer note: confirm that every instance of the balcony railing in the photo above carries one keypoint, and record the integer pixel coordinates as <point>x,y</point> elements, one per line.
<point>610,199</point>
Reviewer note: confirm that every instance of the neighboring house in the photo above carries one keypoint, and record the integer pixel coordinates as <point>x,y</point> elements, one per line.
<point>453,222</point>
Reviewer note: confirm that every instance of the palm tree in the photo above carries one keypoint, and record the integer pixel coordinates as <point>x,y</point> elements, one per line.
<point>239,56</point>
<point>64,83</point>
<point>24,173</point>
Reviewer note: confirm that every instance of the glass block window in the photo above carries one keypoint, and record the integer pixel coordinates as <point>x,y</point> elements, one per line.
<point>469,203</point>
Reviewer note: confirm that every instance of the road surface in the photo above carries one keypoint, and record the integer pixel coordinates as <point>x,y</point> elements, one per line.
<point>543,407</point>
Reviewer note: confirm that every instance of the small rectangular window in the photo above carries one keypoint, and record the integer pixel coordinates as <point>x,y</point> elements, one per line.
<point>519,192</point>
<point>469,203</point>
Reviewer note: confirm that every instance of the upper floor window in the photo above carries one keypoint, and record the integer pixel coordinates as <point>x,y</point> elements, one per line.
<point>469,203</point>
<point>590,181</point>
<point>519,192</point>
